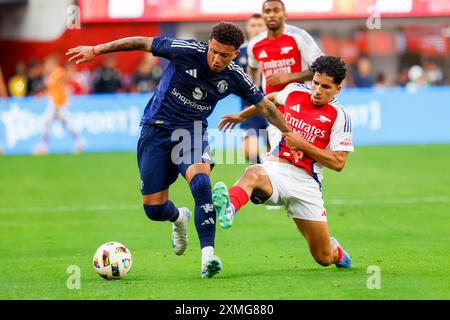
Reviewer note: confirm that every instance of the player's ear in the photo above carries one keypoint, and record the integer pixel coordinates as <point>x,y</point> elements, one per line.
<point>236,53</point>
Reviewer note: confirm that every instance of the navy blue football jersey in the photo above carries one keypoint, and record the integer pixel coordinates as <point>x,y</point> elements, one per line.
<point>188,91</point>
<point>242,58</point>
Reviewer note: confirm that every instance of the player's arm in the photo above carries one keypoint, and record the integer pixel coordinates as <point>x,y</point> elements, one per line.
<point>229,121</point>
<point>255,74</point>
<point>88,53</point>
<point>334,160</point>
<point>285,78</point>
<point>268,109</point>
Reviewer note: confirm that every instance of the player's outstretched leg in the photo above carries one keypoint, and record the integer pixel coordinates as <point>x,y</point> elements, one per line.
<point>344,260</point>
<point>222,204</point>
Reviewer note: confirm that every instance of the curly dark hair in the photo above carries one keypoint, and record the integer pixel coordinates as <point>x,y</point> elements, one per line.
<point>331,66</point>
<point>227,33</point>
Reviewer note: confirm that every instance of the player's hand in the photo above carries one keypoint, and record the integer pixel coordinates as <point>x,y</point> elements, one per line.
<point>292,142</point>
<point>276,79</point>
<point>229,121</point>
<point>82,53</point>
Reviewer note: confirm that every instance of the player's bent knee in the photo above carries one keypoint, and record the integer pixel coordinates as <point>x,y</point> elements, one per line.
<point>254,173</point>
<point>156,212</point>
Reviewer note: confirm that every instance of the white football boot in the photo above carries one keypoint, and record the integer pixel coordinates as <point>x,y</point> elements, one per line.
<point>179,231</point>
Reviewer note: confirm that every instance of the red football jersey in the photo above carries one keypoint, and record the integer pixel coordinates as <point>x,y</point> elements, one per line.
<point>294,51</point>
<point>326,127</point>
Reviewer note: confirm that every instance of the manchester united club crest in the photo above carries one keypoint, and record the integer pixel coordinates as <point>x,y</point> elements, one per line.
<point>222,86</point>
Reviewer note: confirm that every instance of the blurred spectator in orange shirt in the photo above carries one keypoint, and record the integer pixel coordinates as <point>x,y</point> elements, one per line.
<point>58,97</point>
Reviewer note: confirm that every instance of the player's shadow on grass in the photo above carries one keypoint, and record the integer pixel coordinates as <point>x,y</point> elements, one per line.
<point>290,272</point>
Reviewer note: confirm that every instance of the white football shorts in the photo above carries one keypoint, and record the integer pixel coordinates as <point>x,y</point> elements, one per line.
<point>273,136</point>
<point>296,190</point>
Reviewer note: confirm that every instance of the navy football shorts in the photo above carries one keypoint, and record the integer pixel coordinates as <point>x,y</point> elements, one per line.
<point>160,159</point>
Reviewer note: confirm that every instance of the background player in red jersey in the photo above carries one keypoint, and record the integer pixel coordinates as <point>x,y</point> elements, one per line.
<point>283,54</point>
<point>322,131</point>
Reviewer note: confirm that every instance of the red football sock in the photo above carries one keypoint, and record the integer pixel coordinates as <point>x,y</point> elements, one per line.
<point>341,254</point>
<point>238,197</point>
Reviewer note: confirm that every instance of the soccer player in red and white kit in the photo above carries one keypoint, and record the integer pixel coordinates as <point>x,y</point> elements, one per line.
<point>283,54</point>
<point>322,130</point>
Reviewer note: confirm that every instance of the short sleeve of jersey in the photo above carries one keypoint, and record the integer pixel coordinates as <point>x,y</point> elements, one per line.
<point>308,47</point>
<point>283,94</point>
<point>341,133</point>
<point>252,62</point>
<point>171,48</point>
<point>247,89</point>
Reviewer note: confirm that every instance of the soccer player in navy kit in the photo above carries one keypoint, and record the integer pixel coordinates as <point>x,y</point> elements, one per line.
<point>198,76</point>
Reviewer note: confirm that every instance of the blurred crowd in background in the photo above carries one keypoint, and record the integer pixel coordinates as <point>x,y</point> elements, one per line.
<point>30,77</point>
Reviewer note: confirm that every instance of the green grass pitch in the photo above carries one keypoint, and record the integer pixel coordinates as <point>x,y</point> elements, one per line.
<point>389,208</point>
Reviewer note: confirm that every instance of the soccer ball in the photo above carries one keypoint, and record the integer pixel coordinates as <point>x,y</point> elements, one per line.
<point>112,260</point>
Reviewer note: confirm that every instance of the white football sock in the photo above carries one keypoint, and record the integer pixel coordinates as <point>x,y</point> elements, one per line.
<point>180,218</point>
<point>207,253</point>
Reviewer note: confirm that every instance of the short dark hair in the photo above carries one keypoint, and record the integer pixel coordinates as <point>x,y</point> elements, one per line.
<point>330,66</point>
<point>227,33</point>
<point>256,16</point>
<point>279,1</point>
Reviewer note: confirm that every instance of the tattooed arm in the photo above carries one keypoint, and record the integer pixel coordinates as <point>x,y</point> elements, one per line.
<point>87,53</point>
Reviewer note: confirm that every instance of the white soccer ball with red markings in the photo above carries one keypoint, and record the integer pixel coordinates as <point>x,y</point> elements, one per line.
<point>112,260</point>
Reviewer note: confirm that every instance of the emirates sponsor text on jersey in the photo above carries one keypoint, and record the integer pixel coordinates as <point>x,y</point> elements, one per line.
<point>307,131</point>
<point>278,66</point>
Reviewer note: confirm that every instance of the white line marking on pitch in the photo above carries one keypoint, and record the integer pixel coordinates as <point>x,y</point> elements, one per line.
<point>124,207</point>
<point>388,201</point>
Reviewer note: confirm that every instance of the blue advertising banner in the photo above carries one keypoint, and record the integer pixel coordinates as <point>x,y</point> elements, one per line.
<point>111,122</point>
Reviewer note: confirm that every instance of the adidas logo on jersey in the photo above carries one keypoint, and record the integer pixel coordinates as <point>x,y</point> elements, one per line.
<point>192,73</point>
<point>263,54</point>
<point>323,119</point>
<point>296,108</point>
